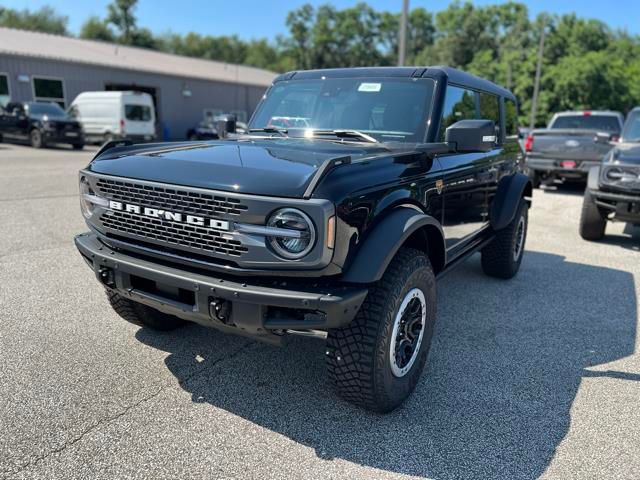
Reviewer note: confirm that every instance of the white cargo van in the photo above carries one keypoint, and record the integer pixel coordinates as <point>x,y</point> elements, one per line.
<point>113,115</point>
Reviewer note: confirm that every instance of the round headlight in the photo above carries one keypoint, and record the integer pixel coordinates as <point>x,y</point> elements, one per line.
<point>86,206</point>
<point>295,236</point>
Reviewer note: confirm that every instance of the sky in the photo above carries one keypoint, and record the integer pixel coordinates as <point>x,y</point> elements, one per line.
<point>265,18</point>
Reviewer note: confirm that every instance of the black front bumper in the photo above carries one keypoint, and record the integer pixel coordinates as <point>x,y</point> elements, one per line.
<point>61,136</point>
<point>624,207</point>
<point>255,310</point>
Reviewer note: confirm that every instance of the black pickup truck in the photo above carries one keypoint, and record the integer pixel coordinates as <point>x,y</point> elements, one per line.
<point>567,149</point>
<point>338,229</point>
<point>40,124</point>
<point>613,187</point>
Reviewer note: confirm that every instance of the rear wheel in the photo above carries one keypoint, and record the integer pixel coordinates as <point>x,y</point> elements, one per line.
<point>502,257</point>
<point>141,314</point>
<point>35,138</point>
<point>376,361</point>
<point>592,222</point>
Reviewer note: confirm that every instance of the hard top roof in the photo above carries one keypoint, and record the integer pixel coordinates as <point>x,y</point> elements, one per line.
<point>453,75</point>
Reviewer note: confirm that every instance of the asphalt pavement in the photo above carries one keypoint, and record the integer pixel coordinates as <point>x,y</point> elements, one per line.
<point>534,377</point>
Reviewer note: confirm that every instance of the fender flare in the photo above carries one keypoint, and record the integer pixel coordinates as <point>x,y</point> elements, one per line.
<point>511,189</point>
<point>593,180</point>
<point>381,244</point>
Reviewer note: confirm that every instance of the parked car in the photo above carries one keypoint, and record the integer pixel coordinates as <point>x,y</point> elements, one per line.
<point>40,124</point>
<point>613,187</point>
<point>206,130</point>
<point>567,149</point>
<point>338,229</point>
<point>114,115</point>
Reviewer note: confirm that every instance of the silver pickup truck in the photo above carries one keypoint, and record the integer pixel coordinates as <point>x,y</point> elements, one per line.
<point>567,149</point>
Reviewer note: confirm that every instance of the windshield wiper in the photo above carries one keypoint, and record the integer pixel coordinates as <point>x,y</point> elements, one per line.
<point>281,131</point>
<point>344,134</point>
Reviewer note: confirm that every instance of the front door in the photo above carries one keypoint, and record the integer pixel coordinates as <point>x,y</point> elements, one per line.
<point>466,181</point>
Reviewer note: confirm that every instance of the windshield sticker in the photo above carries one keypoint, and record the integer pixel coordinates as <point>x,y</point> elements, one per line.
<point>370,87</point>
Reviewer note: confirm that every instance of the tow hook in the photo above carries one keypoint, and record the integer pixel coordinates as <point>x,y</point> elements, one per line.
<point>107,277</point>
<point>220,310</point>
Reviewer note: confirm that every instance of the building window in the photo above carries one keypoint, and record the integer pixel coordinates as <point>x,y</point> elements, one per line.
<point>48,90</point>
<point>5,96</point>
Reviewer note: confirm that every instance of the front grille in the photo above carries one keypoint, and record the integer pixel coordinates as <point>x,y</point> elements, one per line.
<point>174,199</point>
<point>172,233</point>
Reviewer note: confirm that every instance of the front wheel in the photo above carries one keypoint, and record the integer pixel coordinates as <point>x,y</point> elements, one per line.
<point>376,361</point>
<point>535,178</point>
<point>592,222</point>
<point>502,257</point>
<point>35,138</point>
<point>141,314</point>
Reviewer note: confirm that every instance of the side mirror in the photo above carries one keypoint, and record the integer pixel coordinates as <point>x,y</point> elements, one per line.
<point>603,138</point>
<point>225,125</point>
<point>472,135</point>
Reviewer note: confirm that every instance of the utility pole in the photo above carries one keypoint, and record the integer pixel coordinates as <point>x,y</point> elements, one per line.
<point>536,85</point>
<point>402,41</point>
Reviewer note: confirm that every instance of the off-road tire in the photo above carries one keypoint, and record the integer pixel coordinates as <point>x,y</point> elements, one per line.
<point>535,178</point>
<point>500,258</point>
<point>139,314</point>
<point>35,138</point>
<point>359,355</point>
<point>592,222</point>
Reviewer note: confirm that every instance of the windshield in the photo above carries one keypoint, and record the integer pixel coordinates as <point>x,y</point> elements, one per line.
<point>631,131</point>
<point>601,123</point>
<point>388,109</point>
<point>51,109</point>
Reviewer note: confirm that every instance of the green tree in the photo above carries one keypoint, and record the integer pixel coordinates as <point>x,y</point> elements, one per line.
<point>46,19</point>
<point>96,29</point>
<point>120,14</point>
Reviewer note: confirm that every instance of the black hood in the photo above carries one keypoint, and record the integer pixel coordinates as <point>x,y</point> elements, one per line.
<point>276,167</point>
<point>626,153</point>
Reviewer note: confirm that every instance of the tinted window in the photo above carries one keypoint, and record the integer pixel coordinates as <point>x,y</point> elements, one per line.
<point>459,104</point>
<point>605,123</point>
<point>139,113</point>
<point>4,90</point>
<point>48,89</point>
<point>510,118</point>
<point>389,109</point>
<point>631,132</point>
<point>490,110</point>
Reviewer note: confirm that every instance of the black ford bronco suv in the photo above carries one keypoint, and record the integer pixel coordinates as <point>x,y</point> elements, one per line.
<point>613,187</point>
<point>336,226</point>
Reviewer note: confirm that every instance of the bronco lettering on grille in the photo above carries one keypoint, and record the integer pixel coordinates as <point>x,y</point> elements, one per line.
<point>171,216</point>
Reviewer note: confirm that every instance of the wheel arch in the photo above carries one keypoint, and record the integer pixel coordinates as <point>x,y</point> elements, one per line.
<point>511,190</point>
<point>403,225</point>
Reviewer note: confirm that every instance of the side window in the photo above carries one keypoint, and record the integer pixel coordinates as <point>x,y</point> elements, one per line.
<point>5,96</point>
<point>510,119</point>
<point>490,109</point>
<point>459,104</point>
